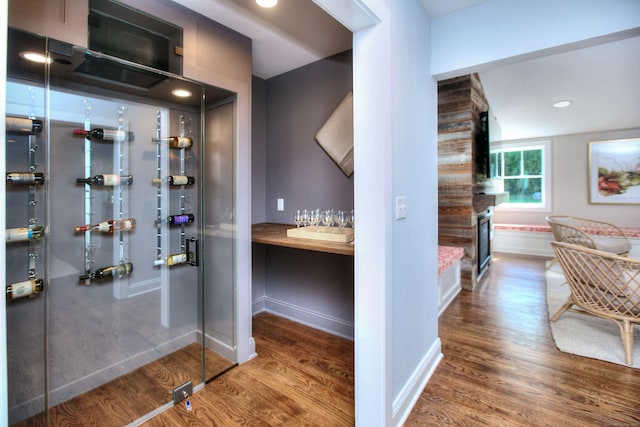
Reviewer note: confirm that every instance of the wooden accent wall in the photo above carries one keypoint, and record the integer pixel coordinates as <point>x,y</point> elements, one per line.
<point>460,102</point>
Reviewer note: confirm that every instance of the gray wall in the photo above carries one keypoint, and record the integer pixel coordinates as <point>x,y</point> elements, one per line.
<point>288,110</point>
<point>258,149</point>
<point>570,181</point>
<point>298,170</point>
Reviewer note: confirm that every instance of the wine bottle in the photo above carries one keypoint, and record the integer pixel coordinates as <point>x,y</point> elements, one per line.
<point>107,180</point>
<point>180,142</point>
<point>180,219</point>
<point>25,178</point>
<point>23,125</point>
<point>21,234</point>
<point>109,226</point>
<point>119,270</point>
<point>180,180</point>
<point>175,259</point>
<point>28,288</point>
<point>105,134</point>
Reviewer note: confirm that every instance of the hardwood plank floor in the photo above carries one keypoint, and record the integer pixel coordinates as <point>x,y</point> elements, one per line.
<point>500,368</point>
<point>133,395</point>
<point>301,377</point>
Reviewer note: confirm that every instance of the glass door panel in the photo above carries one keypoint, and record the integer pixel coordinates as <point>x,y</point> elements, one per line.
<point>126,273</point>
<point>26,259</point>
<point>219,237</point>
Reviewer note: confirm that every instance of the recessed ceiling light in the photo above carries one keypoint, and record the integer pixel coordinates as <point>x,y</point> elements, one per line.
<point>35,57</point>
<point>562,104</point>
<point>181,93</point>
<point>267,3</point>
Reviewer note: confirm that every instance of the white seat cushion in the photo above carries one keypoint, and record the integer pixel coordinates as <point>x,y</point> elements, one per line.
<point>611,244</point>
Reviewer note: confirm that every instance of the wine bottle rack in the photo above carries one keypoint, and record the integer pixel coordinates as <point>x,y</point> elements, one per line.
<point>181,143</point>
<point>32,128</point>
<point>119,197</point>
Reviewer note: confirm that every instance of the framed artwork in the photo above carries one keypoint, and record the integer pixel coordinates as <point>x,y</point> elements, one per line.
<point>614,171</point>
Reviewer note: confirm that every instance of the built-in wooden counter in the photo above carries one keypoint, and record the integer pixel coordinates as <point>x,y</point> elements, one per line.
<point>276,235</point>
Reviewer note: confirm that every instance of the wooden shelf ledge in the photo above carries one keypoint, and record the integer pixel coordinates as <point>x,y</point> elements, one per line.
<point>276,235</point>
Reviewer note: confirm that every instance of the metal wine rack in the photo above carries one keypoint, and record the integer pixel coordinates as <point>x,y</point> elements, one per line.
<point>161,208</point>
<point>32,198</point>
<point>119,197</point>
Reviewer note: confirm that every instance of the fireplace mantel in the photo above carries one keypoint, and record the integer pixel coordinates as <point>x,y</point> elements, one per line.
<point>483,201</point>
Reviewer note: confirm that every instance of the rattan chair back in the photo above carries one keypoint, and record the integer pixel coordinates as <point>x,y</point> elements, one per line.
<point>602,284</point>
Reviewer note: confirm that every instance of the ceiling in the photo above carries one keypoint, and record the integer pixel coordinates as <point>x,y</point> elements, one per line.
<point>602,80</point>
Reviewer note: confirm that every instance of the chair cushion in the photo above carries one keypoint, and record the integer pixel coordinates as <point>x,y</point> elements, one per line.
<point>612,245</point>
<point>567,220</point>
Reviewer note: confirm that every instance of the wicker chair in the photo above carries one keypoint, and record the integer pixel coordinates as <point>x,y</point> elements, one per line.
<point>602,284</point>
<point>589,233</point>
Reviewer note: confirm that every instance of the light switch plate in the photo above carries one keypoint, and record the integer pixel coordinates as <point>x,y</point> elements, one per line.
<point>401,207</point>
<point>280,205</point>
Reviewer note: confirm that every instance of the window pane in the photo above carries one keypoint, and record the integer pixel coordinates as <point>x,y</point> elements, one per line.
<point>532,160</point>
<point>512,163</point>
<point>496,165</point>
<point>524,190</point>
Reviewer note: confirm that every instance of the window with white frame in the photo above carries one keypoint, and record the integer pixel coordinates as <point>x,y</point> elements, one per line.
<point>525,170</point>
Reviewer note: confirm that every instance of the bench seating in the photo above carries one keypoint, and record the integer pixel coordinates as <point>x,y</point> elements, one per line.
<point>449,285</point>
<point>535,239</point>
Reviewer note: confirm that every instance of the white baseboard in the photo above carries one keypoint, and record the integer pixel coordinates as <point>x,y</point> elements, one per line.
<point>217,345</point>
<point>523,242</point>
<point>410,393</point>
<point>311,318</point>
<point>536,243</point>
<point>449,286</point>
<point>258,305</point>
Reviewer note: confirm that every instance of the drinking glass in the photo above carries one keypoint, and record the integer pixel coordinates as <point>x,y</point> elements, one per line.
<point>298,217</point>
<point>327,218</point>
<point>340,219</point>
<point>314,218</point>
<point>305,218</point>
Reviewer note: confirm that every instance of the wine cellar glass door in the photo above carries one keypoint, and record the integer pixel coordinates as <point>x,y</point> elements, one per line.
<point>122,251</point>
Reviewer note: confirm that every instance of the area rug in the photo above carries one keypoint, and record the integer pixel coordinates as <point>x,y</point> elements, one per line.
<point>582,334</point>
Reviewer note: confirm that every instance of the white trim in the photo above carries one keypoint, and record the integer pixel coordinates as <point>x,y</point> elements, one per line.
<point>536,243</point>
<point>312,318</point>
<point>449,286</point>
<point>259,305</point>
<point>412,390</point>
<point>523,242</point>
<point>373,251</point>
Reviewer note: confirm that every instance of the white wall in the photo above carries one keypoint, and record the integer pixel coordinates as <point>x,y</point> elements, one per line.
<point>505,30</point>
<point>395,261</point>
<point>569,189</point>
<point>415,342</point>
<point>382,286</point>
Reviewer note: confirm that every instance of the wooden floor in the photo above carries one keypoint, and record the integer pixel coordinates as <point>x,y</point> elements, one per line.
<point>133,395</point>
<point>500,368</point>
<point>301,377</point>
